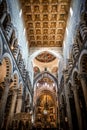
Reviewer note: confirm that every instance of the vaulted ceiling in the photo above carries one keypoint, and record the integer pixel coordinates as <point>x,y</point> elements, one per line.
<point>45,21</point>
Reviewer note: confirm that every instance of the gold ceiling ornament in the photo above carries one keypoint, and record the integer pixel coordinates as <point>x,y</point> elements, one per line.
<point>45,21</point>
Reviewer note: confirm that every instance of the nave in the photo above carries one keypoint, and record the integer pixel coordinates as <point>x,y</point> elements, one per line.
<point>43,64</point>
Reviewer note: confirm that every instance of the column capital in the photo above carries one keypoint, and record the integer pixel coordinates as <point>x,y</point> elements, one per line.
<point>14,91</point>
<point>82,76</point>
<point>20,96</point>
<point>7,81</point>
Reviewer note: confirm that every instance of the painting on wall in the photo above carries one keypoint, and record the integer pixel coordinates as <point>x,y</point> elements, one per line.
<point>36,70</point>
<point>45,57</point>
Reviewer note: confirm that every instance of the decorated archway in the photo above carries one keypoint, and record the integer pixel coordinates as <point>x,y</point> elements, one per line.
<point>45,101</point>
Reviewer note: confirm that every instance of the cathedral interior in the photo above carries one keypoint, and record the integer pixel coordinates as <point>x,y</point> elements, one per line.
<point>43,64</point>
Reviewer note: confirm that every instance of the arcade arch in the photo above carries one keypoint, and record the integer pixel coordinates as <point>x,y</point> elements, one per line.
<point>45,100</point>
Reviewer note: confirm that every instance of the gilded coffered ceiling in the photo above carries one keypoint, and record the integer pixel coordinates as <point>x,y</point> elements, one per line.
<point>45,21</point>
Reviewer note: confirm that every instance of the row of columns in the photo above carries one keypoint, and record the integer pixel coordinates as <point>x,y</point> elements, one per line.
<point>9,30</point>
<point>17,98</point>
<point>82,78</point>
<point>10,34</point>
<point>22,121</point>
<point>3,101</point>
<point>81,34</point>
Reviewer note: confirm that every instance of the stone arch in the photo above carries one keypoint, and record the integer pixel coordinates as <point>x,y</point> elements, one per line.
<point>5,70</point>
<point>82,65</point>
<point>72,105</point>
<point>6,66</point>
<point>36,53</point>
<point>43,73</point>
<point>6,20</point>
<point>74,76</point>
<point>42,91</point>
<point>3,7</point>
<point>79,98</point>
<point>83,72</point>
<point>70,88</point>
<point>44,76</point>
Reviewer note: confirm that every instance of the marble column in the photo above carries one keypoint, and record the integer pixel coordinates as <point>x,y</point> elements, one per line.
<point>77,105</point>
<point>4,100</point>
<point>3,17</point>
<point>12,108</point>
<point>19,104</point>
<point>68,108</point>
<point>83,80</point>
<point>15,49</point>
